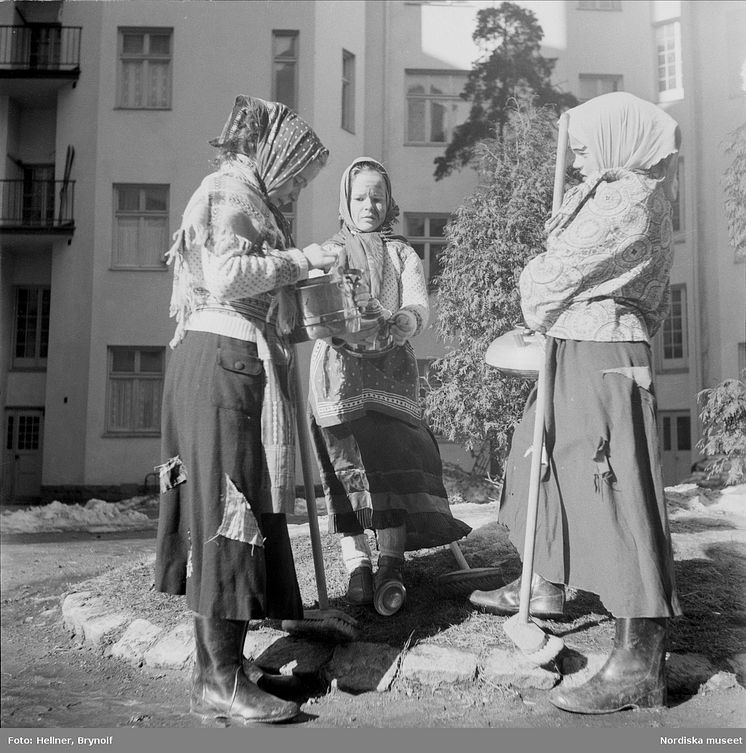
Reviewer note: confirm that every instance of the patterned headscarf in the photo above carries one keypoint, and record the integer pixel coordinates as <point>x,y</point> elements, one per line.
<point>364,250</point>
<point>621,130</point>
<point>278,140</point>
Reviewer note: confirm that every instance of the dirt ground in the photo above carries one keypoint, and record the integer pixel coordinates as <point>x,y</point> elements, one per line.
<point>48,680</point>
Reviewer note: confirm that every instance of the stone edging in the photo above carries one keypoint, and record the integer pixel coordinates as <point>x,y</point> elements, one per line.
<point>360,667</point>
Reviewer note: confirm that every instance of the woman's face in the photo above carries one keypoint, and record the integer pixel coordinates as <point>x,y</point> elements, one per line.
<point>582,161</point>
<point>368,200</point>
<point>289,190</point>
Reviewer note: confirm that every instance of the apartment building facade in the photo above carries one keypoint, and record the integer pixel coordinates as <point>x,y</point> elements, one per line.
<point>105,114</point>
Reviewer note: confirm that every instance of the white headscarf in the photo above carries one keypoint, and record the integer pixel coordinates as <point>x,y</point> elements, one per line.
<point>621,130</point>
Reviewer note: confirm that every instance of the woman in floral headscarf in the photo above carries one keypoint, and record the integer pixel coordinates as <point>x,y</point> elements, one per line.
<point>600,292</point>
<point>227,477</point>
<point>380,465</point>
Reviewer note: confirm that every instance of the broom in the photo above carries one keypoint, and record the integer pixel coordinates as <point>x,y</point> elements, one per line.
<point>538,647</point>
<point>458,583</point>
<point>323,623</point>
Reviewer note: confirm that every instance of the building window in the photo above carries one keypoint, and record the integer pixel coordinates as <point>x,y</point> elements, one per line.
<point>736,50</point>
<point>593,85</point>
<point>348,91</point>
<point>140,226</point>
<point>145,69</point>
<point>426,234</point>
<point>677,431</point>
<point>669,65</point>
<point>285,68</point>
<point>434,105</point>
<point>674,335</point>
<point>599,5</point>
<point>135,389</point>
<point>31,330</point>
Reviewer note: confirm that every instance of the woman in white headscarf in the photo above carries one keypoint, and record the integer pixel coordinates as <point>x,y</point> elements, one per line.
<point>379,462</point>
<point>599,293</point>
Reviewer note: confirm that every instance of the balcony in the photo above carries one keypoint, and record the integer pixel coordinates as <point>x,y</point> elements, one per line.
<point>38,59</point>
<point>34,207</point>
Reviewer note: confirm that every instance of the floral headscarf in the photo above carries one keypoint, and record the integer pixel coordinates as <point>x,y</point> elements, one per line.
<point>621,130</point>
<point>364,250</point>
<point>278,140</point>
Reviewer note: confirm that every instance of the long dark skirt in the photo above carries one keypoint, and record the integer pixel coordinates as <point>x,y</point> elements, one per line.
<point>381,472</point>
<point>602,525</point>
<point>218,539</point>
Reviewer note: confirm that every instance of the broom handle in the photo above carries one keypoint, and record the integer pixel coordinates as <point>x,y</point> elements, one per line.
<point>456,550</point>
<point>537,445</point>
<point>537,450</point>
<point>305,461</point>
<point>559,165</point>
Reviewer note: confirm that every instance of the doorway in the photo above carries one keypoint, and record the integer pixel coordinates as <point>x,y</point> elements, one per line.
<point>22,461</point>
<point>676,445</point>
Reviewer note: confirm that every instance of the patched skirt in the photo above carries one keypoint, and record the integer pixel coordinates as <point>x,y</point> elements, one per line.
<point>218,540</point>
<point>377,472</point>
<point>602,523</point>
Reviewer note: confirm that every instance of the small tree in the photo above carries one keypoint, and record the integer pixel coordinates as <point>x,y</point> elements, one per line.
<point>723,419</point>
<point>494,233</point>
<point>512,67</point>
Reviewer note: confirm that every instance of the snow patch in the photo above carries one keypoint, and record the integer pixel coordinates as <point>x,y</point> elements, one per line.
<point>96,516</point>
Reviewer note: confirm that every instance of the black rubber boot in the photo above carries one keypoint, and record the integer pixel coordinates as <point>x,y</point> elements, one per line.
<point>632,677</point>
<point>220,687</point>
<point>547,599</point>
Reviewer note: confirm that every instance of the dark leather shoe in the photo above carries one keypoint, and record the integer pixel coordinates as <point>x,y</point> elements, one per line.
<point>547,600</point>
<point>360,587</point>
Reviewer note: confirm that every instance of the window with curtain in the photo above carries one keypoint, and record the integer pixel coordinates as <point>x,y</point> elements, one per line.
<point>144,69</point>
<point>674,335</point>
<point>140,226</point>
<point>426,235</point>
<point>434,105</point>
<point>595,84</point>
<point>348,91</point>
<point>285,68</point>
<point>135,386</point>
<point>31,328</point>
<point>669,61</point>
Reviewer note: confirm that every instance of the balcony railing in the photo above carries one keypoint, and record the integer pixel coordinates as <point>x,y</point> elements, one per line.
<point>40,49</point>
<point>37,205</point>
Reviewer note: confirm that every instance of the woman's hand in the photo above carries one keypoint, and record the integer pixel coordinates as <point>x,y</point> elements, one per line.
<point>403,326</point>
<point>361,295</point>
<point>320,257</point>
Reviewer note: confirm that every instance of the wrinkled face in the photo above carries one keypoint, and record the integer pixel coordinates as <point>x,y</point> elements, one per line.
<point>368,200</point>
<point>583,161</point>
<point>290,189</point>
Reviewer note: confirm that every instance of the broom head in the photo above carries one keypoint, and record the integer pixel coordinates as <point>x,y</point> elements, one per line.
<point>330,625</point>
<point>460,583</point>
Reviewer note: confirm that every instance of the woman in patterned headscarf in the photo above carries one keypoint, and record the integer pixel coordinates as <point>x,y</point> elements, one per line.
<point>380,465</point>
<point>227,477</point>
<point>600,292</point>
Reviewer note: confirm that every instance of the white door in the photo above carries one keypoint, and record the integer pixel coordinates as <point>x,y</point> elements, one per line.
<point>676,445</point>
<point>23,454</point>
